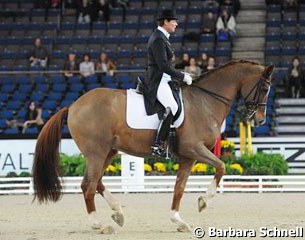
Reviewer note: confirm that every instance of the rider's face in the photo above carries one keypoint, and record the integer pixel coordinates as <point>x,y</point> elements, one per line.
<point>170,25</point>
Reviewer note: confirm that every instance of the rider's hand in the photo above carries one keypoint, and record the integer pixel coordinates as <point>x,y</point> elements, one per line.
<point>187,79</point>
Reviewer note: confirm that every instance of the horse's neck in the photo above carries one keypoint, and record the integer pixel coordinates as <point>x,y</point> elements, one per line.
<point>223,85</point>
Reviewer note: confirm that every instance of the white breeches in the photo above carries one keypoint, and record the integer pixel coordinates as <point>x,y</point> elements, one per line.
<point>165,95</point>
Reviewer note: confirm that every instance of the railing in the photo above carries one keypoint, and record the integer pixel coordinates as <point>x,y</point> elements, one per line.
<point>258,184</point>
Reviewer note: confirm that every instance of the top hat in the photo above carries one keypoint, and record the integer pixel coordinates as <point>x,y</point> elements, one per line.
<point>167,14</point>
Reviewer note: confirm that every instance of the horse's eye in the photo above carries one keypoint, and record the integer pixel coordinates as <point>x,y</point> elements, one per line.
<point>265,89</point>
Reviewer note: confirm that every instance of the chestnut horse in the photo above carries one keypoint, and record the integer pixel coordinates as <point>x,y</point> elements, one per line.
<point>97,123</point>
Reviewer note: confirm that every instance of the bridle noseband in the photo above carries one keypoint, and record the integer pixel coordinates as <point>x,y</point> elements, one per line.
<point>251,105</point>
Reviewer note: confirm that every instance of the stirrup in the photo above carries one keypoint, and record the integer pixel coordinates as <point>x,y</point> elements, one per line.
<point>158,150</point>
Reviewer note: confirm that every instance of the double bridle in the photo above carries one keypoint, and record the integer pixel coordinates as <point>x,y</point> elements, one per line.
<point>251,105</point>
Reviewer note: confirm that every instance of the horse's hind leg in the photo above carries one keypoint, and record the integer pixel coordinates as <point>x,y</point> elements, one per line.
<point>184,170</point>
<point>113,203</point>
<point>95,156</point>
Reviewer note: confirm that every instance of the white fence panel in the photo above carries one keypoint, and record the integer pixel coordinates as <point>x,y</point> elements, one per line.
<point>234,183</point>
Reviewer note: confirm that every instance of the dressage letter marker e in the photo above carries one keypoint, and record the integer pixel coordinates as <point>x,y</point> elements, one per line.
<point>132,172</point>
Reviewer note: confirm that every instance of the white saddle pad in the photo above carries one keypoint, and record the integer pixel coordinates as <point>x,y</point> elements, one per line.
<point>136,116</point>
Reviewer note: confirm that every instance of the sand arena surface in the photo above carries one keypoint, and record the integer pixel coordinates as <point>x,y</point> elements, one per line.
<point>147,215</point>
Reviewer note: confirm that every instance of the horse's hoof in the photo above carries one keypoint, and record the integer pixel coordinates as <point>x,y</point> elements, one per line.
<point>184,228</point>
<point>118,218</point>
<point>96,226</point>
<point>107,230</point>
<point>202,203</point>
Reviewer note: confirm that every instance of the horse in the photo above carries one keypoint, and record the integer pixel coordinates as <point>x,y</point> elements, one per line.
<point>97,123</point>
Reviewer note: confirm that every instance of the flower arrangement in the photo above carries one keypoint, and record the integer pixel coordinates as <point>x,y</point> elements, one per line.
<point>147,167</point>
<point>236,168</point>
<point>227,145</point>
<point>199,168</point>
<point>160,167</point>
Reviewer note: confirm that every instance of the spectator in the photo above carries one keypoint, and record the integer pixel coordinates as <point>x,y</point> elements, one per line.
<point>105,66</point>
<point>39,55</point>
<point>101,6</point>
<point>233,6</point>
<point>290,5</point>
<point>32,118</point>
<point>86,67</point>
<point>209,24</point>
<point>226,26</point>
<point>210,4</point>
<point>85,12</point>
<point>70,66</point>
<point>193,69</point>
<point>184,62</point>
<point>211,64</point>
<point>208,27</point>
<point>202,61</point>
<point>295,76</point>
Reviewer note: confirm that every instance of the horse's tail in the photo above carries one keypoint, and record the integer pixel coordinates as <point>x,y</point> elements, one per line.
<point>46,169</point>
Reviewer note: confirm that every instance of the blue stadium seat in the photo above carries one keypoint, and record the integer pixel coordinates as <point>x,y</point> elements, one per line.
<point>23,80</point>
<point>76,87</point>
<point>50,105</point>
<point>66,103</point>
<point>108,79</point>
<point>19,96</point>
<point>74,79</point>
<point>32,130</point>
<point>72,96</point>
<point>4,97</point>
<point>42,88</point>
<point>40,79</point>
<point>55,96</point>
<point>60,87</point>
<point>91,86</point>
<point>37,96</point>
<point>7,88</point>
<point>14,105</point>
<point>11,131</point>
<point>45,114</point>
<point>6,79</point>
<point>7,114</point>
<point>124,79</point>
<point>2,124</point>
<point>21,114</point>
<point>91,79</point>
<point>111,85</point>
<point>57,79</point>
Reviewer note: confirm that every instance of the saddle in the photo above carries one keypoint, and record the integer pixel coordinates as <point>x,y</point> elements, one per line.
<point>176,93</point>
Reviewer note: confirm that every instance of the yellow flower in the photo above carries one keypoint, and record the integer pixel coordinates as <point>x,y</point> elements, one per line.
<point>110,168</point>
<point>176,167</point>
<point>147,167</point>
<point>200,168</point>
<point>237,167</point>
<point>160,167</point>
<point>119,167</point>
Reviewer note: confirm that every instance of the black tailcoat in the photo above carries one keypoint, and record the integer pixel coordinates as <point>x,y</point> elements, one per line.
<point>160,54</point>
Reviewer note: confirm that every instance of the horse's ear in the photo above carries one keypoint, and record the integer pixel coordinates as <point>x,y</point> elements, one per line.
<point>268,71</point>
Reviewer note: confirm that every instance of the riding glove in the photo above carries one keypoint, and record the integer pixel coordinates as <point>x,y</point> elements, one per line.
<point>187,79</point>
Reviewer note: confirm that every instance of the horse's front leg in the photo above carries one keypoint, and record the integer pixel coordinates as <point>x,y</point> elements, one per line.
<point>184,170</point>
<point>204,155</point>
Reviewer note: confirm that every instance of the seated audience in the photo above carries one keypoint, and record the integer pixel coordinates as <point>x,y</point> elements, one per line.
<point>295,77</point>
<point>86,67</point>
<point>39,55</point>
<point>85,12</point>
<point>70,66</point>
<point>105,66</point>
<point>211,64</point>
<point>185,61</point>
<point>202,61</point>
<point>193,69</point>
<point>32,119</point>
<point>226,26</point>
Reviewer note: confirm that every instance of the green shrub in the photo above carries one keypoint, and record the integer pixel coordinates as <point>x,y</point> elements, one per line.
<point>264,164</point>
<point>73,165</point>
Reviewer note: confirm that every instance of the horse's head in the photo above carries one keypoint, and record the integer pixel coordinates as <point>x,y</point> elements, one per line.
<point>255,93</point>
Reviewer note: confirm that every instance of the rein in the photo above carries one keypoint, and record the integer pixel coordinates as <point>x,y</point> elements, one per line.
<point>251,105</point>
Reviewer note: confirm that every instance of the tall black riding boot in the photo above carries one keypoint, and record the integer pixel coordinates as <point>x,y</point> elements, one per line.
<point>162,133</point>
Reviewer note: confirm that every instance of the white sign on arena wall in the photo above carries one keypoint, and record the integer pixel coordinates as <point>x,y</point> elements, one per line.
<point>17,155</point>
